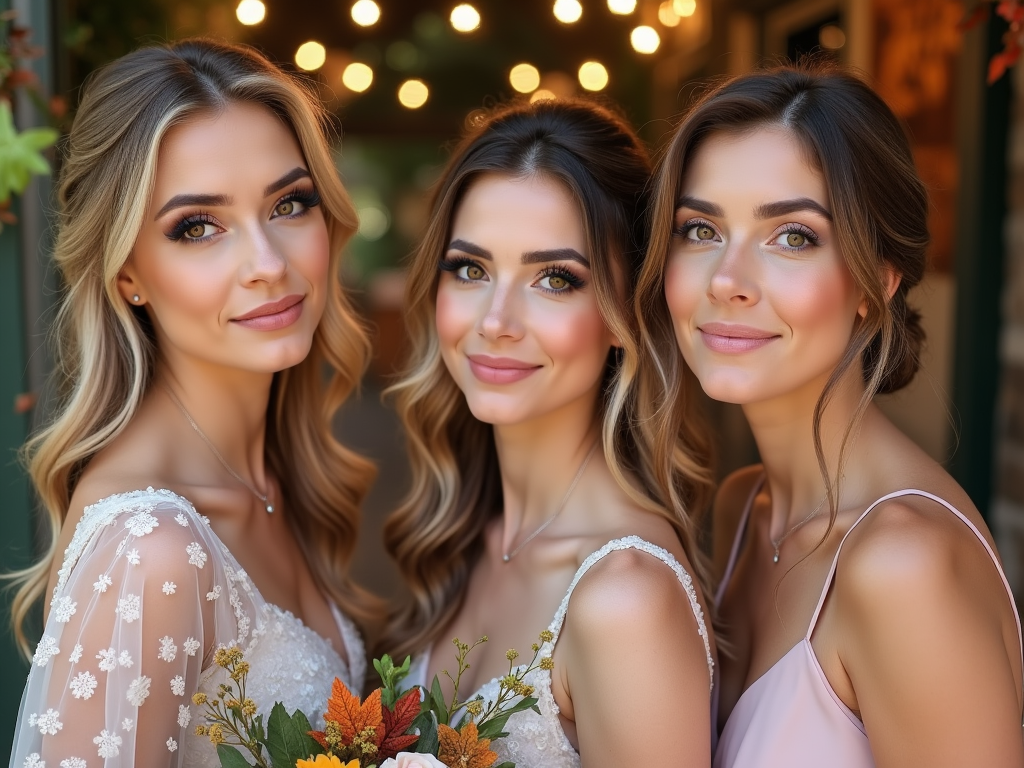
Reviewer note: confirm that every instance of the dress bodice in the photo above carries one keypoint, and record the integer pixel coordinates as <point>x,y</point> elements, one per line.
<point>538,740</point>
<point>146,594</point>
<point>791,717</point>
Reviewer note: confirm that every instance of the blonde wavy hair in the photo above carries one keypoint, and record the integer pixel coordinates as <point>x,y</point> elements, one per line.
<point>436,535</point>
<point>105,348</point>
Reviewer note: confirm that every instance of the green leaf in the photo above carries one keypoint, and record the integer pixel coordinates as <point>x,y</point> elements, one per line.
<point>506,764</point>
<point>301,723</point>
<point>426,724</point>
<point>230,757</point>
<point>20,153</point>
<point>286,739</point>
<point>437,704</point>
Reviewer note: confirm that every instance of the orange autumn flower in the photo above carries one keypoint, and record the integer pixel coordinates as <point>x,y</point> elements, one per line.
<point>465,749</point>
<point>323,761</point>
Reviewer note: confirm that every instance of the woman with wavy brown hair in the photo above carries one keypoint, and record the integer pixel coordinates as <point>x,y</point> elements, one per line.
<point>868,618</point>
<point>190,474</point>
<point>531,485</point>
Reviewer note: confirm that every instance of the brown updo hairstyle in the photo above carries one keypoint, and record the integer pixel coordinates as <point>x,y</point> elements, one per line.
<point>436,534</point>
<point>879,209</point>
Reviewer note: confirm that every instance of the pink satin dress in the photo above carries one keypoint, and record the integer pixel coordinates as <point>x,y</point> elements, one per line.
<point>790,717</point>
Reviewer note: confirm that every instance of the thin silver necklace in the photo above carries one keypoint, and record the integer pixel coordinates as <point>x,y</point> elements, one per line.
<point>778,542</point>
<point>579,473</point>
<point>263,497</point>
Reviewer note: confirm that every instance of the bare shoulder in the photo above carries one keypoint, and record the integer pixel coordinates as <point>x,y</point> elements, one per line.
<point>912,552</point>
<point>730,502</point>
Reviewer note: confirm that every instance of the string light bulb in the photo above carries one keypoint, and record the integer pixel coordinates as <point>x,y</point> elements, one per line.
<point>365,13</point>
<point>413,94</point>
<point>667,14</point>
<point>465,18</point>
<point>310,56</point>
<point>251,12</point>
<point>622,7</point>
<point>357,76</point>
<point>593,76</point>
<point>525,78</point>
<point>568,11</point>
<point>645,39</point>
<point>684,8</point>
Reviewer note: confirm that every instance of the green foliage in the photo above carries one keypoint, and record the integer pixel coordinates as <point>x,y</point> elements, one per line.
<point>20,153</point>
<point>288,738</point>
<point>391,676</point>
<point>231,757</point>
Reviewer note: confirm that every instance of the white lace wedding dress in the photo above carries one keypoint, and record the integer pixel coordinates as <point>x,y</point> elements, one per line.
<point>538,740</point>
<point>146,594</point>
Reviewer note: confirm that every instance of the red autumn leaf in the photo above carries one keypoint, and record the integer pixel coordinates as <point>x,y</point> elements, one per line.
<point>1001,62</point>
<point>397,722</point>
<point>352,717</point>
<point>977,15</point>
<point>1011,10</point>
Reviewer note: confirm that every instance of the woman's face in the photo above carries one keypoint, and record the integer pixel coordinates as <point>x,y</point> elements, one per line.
<point>762,302</point>
<point>232,259</point>
<point>517,316</point>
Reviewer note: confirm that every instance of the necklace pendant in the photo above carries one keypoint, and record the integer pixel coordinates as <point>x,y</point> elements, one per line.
<point>506,557</point>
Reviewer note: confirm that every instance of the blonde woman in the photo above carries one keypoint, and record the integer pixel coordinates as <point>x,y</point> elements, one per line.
<point>869,620</point>
<point>190,475</point>
<point>532,507</point>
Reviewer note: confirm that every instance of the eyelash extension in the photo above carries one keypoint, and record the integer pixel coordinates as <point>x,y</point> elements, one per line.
<point>575,281</point>
<point>684,229</point>
<point>177,232</point>
<point>309,198</point>
<point>454,263</point>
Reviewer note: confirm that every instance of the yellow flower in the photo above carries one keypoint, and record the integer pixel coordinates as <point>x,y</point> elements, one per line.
<point>198,698</point>
<point>547,663</point>
<point>323,761</point>
<point>216,734</point>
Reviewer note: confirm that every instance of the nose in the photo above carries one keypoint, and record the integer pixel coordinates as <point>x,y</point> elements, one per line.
<point>499,319</point>
<point>264,260</point>
<point>736,277</point>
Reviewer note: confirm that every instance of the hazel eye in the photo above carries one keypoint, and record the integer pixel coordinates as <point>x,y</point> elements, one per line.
<point>557,283</point>
<point>287,208</point>
<point>471,272</point>
<point>796,240</point>
<point>704,232</point>
<point>198,231</point>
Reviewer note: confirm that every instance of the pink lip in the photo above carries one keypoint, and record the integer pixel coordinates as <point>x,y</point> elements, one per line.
<point>734,339</point>
<point>274,315</point>
<point>500,370</point>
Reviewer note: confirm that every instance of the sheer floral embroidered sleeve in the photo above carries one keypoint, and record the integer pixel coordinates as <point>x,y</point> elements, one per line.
<point>145,594</point>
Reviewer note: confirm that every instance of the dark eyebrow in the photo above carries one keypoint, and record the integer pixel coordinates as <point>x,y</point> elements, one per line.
<point>700,206</point>
<point>292,176</point>
<point>785,207</point>
<point>555,254</point>
<point>180,201</point>
<point>470,248</point>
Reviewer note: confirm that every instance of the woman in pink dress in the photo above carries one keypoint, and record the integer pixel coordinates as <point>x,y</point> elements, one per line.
<point>867,617</point>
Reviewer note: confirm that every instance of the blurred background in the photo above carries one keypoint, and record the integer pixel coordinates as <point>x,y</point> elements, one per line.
<point>404,78</point>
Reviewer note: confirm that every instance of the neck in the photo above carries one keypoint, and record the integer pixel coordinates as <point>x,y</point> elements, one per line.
<point>783,429</point>
<point>228,405</point>
<point>539,461</point>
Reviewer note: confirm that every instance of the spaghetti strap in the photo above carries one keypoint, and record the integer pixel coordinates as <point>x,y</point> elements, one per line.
<point>955,511</point>
<point>734,553</point>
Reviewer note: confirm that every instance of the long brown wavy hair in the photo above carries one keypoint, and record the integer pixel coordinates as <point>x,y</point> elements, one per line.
<point>880,212</point>
<point>105,348</point>
<point>436,535</point>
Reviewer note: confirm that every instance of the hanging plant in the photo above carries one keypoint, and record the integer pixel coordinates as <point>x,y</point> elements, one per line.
<point>21,152</point>
<point>1013,40</point>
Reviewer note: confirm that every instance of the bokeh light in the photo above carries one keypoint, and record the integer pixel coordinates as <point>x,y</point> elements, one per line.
<point>667,14</point>
<point>568,11</point>
<point>413,94</point>
<point>593,76</point>
<point>310,56</point>
<point>541,94</point>
<point>357,76</point>
<point>684,8</point>
<point>622,7</point>
<point>832,37</point>
<point>465,18</point>
<point>365,13</point>
<point>644,39</point>
<point>524,78</point>
<point>373,222</point>
<point>251,12</point>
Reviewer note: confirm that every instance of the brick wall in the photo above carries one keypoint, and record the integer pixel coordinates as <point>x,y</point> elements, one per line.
<point>1008,504</point>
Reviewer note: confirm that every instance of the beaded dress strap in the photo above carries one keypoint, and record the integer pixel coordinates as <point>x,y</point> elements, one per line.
<point>734,553</point>
<point>635,542</point>
<point>955,511</point>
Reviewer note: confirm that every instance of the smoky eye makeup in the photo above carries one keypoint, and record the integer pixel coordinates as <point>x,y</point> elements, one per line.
<point>185,228</point>
<point>560,279</point>
<point>693,224</point>
<point>794,236</point>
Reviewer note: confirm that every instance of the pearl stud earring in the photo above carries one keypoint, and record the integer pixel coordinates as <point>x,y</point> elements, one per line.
<point>135,298</point>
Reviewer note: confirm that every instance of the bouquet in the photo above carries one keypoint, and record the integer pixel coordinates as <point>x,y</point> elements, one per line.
<point>391,728</point>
